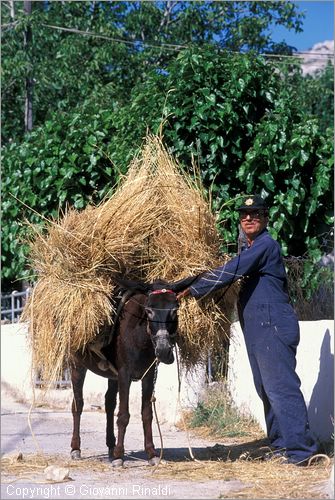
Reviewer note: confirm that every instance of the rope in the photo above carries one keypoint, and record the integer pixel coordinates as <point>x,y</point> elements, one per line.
<point>146,371</point>
<point>175,47</point>
<point>153,400</point>
<point>317,458</point>
<point>182,414</point>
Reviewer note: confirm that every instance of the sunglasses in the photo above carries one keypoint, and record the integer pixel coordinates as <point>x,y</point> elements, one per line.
<point>254,214</point>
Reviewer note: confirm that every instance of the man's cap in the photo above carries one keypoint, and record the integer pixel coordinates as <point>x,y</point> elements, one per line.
<point>254,202</point>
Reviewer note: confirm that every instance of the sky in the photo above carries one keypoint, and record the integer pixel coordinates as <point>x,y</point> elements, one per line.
<point>318,25</point>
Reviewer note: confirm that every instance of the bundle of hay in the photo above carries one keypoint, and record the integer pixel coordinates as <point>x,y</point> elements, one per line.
<point>157,224</point>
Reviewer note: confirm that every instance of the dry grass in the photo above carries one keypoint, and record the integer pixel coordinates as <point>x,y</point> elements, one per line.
<point>157,225</point>
<point>234,430</point>
<point>260,479</point>
<point>19,465</point>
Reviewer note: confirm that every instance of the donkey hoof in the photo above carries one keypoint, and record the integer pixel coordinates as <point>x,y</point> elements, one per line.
<point>154,461</point>
<point>117,462</point>
<point>75,455</point>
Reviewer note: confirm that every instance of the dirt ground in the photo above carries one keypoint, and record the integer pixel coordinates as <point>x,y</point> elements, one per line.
<point>33,440</point>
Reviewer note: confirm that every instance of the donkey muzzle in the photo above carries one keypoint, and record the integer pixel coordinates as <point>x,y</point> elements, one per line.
<point>163,347</point>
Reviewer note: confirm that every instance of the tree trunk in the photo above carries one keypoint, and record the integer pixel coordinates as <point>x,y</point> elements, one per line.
<point>12,10</point>
<point>28,114</point>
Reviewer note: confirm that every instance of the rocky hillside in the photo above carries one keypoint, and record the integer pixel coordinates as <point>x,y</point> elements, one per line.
<point>317,57</point>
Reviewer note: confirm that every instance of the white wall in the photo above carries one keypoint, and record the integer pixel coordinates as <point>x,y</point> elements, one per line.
<point>16,359</point>
<point>16,377</point>
<point>315,367</point>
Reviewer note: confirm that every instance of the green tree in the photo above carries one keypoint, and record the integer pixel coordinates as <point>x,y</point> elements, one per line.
<point>243,123</point>
<point>249,130</point>
<point>318,93</point>
<point>59,164</point>
<point>117,44</point>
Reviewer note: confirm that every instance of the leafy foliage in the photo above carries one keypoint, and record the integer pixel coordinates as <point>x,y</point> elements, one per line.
<point>248,124</point>
<point>117,43</point>
<point>233,114</point>
<point>248,132</point>
<point>311,287</point>
<point>318,91</point>
<point>59,164</point>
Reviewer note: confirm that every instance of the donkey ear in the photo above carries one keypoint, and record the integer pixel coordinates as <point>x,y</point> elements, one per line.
<point>133,285</point>
<point>179,286</point>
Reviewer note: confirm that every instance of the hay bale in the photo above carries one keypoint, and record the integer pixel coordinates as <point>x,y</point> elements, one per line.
<point>157,224</point>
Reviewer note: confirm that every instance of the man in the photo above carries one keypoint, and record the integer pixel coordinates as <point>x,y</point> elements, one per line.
<point>271,331</point>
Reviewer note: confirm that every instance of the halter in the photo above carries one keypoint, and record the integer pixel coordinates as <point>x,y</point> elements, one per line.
<point>163,290</point>
<point>159,292</point>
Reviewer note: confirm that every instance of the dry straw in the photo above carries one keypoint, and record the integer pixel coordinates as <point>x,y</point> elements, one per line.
<point>257,479</point>
<point>156,225</point>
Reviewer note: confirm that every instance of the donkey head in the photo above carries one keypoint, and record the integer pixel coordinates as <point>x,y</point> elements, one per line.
<point>161,308</point>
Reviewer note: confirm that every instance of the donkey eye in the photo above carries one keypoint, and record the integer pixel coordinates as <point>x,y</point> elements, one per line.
<point>150,312</point>
<point>173,313</point>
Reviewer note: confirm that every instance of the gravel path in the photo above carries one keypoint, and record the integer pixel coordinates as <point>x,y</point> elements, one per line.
<point>44,434</point>
<point>52,435</point>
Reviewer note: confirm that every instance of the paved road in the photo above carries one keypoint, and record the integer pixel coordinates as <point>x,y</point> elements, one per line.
<point>52,434</point>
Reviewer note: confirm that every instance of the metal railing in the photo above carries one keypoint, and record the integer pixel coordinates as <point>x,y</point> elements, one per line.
<point>12,305</point>
<point>63,383</point>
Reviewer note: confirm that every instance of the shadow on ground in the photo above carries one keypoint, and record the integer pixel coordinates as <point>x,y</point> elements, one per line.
<point>252,450</point>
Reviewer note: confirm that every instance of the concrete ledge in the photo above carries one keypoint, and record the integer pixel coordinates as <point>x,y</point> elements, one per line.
<point>17,378</point>
<point>315,367</point>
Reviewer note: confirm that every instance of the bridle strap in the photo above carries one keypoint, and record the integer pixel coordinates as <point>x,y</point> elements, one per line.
<point>162,290</point>
<point>159,292</point>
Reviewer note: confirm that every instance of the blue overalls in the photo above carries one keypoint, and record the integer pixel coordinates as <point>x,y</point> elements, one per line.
<point>271,332</point>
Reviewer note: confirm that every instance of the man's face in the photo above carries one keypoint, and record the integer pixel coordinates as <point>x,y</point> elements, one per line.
<point>253,222</point>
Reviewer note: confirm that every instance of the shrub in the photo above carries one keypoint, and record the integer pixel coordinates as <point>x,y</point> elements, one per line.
<point>220,415</point>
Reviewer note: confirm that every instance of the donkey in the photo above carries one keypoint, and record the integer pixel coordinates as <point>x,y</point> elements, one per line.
<point>144,331</point>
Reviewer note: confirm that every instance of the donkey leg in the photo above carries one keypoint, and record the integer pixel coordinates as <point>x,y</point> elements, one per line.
<point>78,376</point>
<point>122,418</point>
<point>110,404</point>
<point>147,390</point>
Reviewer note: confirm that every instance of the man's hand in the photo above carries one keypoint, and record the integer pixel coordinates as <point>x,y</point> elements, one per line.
<point>184,293</point>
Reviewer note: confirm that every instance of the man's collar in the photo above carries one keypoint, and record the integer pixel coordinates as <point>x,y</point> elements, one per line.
<point>257,236</point>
